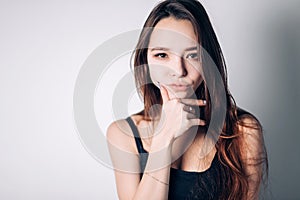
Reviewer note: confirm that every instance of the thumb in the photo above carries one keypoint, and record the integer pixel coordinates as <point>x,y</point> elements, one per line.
<point>164,93</point>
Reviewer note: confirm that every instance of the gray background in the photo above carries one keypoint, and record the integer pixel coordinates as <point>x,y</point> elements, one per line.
<point>43,45</point>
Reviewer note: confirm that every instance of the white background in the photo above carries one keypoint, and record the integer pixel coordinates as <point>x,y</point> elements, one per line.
<point>43,45</point>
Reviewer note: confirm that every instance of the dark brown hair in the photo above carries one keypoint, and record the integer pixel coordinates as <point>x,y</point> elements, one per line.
<point>229,146</point>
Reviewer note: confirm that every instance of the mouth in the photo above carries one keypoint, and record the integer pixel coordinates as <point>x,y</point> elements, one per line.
<point>179,87</point>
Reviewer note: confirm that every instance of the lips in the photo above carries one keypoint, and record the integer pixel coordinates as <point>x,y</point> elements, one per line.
<point>179,87</point>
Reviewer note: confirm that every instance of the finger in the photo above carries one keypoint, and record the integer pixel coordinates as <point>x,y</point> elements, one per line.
<point>194,102</point>
<point>189,109</point>
<point>197,122</point>
<point>164,93</point>
<point>191,116</point>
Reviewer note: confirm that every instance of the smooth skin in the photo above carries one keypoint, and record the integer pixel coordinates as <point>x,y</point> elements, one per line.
<point>174,125</point>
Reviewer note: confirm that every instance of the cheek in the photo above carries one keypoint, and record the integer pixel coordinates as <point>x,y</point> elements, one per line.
<point>200,80</point>
<point>197,78</point>
<point>158,73</point>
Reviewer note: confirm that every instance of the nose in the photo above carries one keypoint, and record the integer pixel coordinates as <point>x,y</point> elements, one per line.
<point>178,67</point>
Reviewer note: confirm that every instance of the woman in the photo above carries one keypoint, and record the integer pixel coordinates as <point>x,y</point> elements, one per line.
<point>181,94</point>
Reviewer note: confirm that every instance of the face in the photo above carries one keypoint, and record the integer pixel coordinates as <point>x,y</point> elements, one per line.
<point>173,57</point>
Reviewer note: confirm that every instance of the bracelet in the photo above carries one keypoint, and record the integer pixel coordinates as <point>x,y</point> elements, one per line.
<point>156,179</point>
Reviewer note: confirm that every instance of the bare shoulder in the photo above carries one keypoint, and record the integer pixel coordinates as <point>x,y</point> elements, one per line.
<point>119,134</point>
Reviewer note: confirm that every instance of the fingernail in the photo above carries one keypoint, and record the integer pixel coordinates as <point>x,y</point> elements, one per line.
<point>204,102</point>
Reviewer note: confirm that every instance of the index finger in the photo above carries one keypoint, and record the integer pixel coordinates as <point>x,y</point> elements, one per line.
<point>194,102</point>
<point>164,93</point>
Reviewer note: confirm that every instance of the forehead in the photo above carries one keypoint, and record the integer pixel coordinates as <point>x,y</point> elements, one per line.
<point>174,34</point>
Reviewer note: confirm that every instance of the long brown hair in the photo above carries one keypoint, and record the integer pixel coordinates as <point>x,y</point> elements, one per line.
<point>228,146</point>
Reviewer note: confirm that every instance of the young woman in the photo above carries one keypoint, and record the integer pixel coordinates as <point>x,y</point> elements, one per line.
<point>165,152</point>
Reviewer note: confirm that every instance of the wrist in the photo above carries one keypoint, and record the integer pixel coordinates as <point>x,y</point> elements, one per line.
<point>161,140</point>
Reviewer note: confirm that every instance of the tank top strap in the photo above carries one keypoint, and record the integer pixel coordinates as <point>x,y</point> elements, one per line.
<point>143,154</point>
<point>136,134</point>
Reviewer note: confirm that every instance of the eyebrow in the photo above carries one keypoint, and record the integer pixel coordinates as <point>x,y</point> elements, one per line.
<point>167,49</point>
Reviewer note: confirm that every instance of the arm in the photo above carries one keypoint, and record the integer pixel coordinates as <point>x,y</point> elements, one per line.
<point>154,184</point>
<point>253,153</point>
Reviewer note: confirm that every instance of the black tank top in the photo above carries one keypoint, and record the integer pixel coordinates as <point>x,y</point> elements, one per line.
<point>184,184</point>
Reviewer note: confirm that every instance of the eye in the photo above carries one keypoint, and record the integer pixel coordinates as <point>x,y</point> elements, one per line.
<point>192,56</point>
<point>161,55</point>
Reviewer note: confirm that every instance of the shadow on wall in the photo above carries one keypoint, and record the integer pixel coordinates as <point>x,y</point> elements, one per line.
<point>280,40</point>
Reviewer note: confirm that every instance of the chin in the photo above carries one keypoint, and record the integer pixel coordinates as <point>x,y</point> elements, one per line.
<point>184,94</point>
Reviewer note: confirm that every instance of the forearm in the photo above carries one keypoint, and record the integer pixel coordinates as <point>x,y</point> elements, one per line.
<point>155,181</point>
<point>154,185</point>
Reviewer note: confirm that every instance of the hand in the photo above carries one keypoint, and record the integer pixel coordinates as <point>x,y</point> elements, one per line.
<point>178,115</point>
